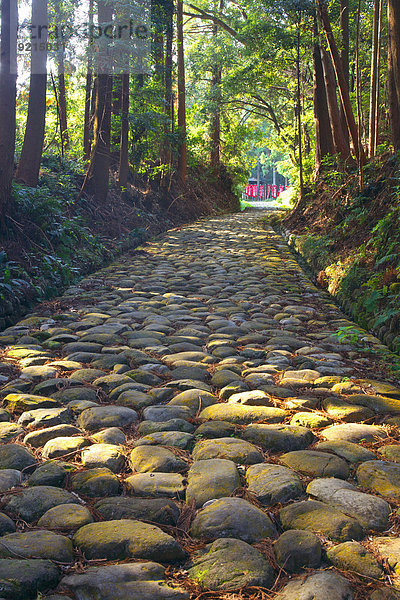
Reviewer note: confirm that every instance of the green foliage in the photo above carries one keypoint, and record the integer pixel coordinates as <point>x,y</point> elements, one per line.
<point>317,249</point>
<point>351,335</point>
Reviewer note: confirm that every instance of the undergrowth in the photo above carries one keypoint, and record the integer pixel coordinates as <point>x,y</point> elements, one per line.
<point>351,239</point>
<point>51,239</point>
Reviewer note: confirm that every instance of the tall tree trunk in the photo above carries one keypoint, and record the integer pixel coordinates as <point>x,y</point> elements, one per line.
<point>87,120</point>
<point>394,69</point>
<point>116,100</point>
<point>215,123</point>
<point>124,142</point>
<point>8,90</point>
<point>88,94</point>
<point>343,88</point>
<point>341,144</point>
<point>323,132</point>
<point>374,77</point>
<point>168,97</point>
<point>377,116</point>
<point>344,56</point>
<point>32,148</point>
<point>62,103</point>
<point>182,151</point>
<point>97,178</point>
<point>358,91</point>
<point>61,92</point>
<point>299,125</point>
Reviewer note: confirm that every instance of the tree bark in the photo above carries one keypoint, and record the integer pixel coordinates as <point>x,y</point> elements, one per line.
<point>341,144</point>
<point>166,152</point>
<point>299,125</point>
<point>61,92</point>
<point>323,131</point>
<point>87,128</point>
<point>97,177</point>
<point>394,70</point>
<point>215,123</point>
<point>377,116</point>
<point>124,143</point>
<point>343,88</point>
<point>8,90</point>
<point>116,109</point>
<point>62,103</point>
<point>182,152</point>
<point>344,56</point>
<point>374,78</point>
<point>32,148</point>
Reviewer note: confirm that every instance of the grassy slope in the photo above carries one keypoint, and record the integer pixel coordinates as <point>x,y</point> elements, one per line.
<point>351,239</point>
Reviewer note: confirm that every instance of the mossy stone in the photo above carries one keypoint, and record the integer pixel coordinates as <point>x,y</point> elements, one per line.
<point>96,483</point>
<point>320,585</point>
<point>232,517</point>
<point>178,439</point>
<point>310,419</point>
<point>51,473</point>
<point>149,427</point>
<point>349,413</point>
<point>19,403</point>
<point>73,394</point>
<point>238,451</point>
<point>39,438</point>
<point>14,456</point>
<point>370,511</point>
<point>131,581</point>
<point>377,404</point>
<point>389,548</point>
<point>215,429</point>
<point>279,438</point>
<point>352,556</point>
<point>391,452</point>
<point>320,518</point>
<point>353,432</point>
<point>66,517</point>
<point>9,431</point>
<point>316,464</point>
<point>296,549</point>
<point>125,538</point>
<point>194,399</point>
<point>272,483</point>
<point>229,564</point>
<point>23,579</point>
<point>31,503</point>
<point>243,415</point>
<point>157,510</point>
<point>155,459</point>
<point>37,544</point>
<point>210,479</point>
<point>7,525</point>
<point>100,417</point>
<point>353,453</point>
<point>63,446</point>
<point>103,455</point>
<point>156,485</point>
<point>9,478</point>
<point>380,477</point>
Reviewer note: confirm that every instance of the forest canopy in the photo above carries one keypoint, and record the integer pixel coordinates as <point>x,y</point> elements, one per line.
<point>205,82</point>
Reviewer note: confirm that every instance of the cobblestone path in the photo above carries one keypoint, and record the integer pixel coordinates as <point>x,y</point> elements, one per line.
<point>185,424</point>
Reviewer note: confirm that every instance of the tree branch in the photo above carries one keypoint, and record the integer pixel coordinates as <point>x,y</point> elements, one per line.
<point>202,14</point>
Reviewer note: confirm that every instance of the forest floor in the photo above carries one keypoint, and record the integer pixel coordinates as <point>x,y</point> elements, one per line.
<point>187,423</point>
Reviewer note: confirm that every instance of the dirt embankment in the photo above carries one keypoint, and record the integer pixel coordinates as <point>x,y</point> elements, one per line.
<point>350,237</point>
